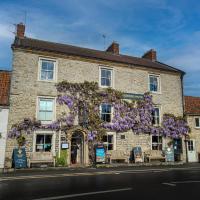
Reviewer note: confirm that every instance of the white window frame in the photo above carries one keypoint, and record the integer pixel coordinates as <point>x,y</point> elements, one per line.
<point>159,83</point>
<point>157,143</point>
<point>45,132</point>
<point>112,76</point>
<point>111,114</point>
<point>114,141</point>
<point>160,118</point>
<point>54,71</point>
<point>38,107</point>
<point>198,127</point>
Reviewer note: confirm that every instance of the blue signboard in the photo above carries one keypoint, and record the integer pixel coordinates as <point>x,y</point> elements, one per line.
<point>169,154</point>
<point>100,154</point>
<point>19,158</point>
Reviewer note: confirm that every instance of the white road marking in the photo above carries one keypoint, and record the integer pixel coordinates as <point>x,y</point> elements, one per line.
<point>170,184</point>
<point>185,182</point>
<point>114,172</point>
<point>174,183</point>
<point>84,194</point>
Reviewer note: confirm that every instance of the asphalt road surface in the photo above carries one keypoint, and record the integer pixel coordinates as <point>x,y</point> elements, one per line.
<point>127,183</point>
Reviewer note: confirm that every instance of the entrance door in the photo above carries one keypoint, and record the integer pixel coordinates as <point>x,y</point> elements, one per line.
<point>77,143</point>
<point>191,151</point>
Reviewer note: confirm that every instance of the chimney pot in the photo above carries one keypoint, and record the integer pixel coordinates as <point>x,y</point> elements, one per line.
<point>113,48</point>
<point>20,30</point>
<point>151,55</point>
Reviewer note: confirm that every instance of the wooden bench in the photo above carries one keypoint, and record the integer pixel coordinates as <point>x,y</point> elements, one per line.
<point>155,155</point>
<point>118,156</point>
<point>41,157</point>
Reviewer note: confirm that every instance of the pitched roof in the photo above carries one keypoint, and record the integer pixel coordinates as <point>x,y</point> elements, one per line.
<point>40,45</point>
<point>4,88</point>
<point>192,105</point>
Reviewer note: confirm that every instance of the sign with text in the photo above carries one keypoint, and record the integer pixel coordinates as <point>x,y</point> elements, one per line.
<point>137,151</point>
<point>100,154</point>
<point>133,96</point>
<point>19,158</point>
<point>169,154</point>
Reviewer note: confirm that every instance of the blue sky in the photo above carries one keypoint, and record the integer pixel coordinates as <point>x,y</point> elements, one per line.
<point>171,27</point>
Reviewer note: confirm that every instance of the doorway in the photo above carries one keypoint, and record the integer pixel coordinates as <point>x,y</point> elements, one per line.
<point>77,148</point>
<point>191,151</point>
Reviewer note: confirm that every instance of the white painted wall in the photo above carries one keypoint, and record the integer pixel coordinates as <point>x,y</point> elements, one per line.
<point>3,131</point>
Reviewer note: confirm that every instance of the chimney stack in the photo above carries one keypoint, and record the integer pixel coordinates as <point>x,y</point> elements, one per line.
<point>151,55</point>
<point>113,48</point>
<point>20,30</point>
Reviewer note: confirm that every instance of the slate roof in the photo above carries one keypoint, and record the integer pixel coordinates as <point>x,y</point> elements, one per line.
<point>46,46</point>
<point>192,105</point>
<point>4,87</point>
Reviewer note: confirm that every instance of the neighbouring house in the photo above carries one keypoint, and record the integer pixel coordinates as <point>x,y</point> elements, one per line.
<point>38,65</point>
<point>192,112</point>
<point>4,110</point>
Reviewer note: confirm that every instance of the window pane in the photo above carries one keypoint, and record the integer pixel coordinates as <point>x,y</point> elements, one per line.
<point>49,105</point>
<point>40,139</point>
<point>44,65</point>
<point>42,116</point>
<point>50,75</point>
<point>108,83</point>
<point>49,116</point>
<point>197,122</point>
<point>110,138</point>
<point>50,66</point>
<point>42,104</point>
<point>103,73</point>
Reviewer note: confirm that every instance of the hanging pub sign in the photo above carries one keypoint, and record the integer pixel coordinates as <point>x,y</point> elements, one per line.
<point>169,154</point>
<point>19,158</point>
<point>133,96</point>
<point>137,152</point>
<point>100,154</point>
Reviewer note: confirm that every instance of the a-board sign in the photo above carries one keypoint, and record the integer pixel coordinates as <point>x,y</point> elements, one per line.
<point>169,154</point>
<point>100,154</point>
<point>137,151</point>
<point>19,158</point>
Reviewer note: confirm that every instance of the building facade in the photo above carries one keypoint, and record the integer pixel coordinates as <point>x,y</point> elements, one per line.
<point>192,112</point>
<point>38,65</point>
<point>4,110</point>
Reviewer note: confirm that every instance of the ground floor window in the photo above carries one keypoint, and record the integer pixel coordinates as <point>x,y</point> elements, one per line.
<point>156,142</point>
<point>108,141</point>
<point>43,142</point>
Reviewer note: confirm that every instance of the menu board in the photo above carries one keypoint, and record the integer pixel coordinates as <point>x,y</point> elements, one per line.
<point>100,154</point>
<point>19,158</point>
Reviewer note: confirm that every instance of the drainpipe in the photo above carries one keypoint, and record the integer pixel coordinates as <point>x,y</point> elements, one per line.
<point>183,104</point>
<point>186,149</point>
<point>59,142</point>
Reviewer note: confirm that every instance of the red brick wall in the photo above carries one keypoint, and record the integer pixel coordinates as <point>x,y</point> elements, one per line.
<point>4,87</point>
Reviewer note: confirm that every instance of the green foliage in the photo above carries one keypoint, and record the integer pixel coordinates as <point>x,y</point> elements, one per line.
<point>62,161</point>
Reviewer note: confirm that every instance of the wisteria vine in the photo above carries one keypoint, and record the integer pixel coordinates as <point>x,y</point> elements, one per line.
<point>83,101</point>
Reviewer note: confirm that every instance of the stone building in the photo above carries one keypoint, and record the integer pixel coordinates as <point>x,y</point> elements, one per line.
<point>192,112</point>
<point>38,65</point>
<point>4,110</point>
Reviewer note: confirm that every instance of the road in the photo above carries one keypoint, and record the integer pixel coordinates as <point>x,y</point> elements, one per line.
<point>125,183</point>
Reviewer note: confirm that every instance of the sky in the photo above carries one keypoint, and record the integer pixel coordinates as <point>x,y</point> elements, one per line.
<point>170,27</point>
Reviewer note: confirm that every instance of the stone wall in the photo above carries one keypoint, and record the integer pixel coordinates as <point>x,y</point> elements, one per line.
<point>25,87</point>
<point>195,132</point>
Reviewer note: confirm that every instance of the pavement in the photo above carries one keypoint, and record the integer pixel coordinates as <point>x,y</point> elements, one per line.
<point>157,182</point>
